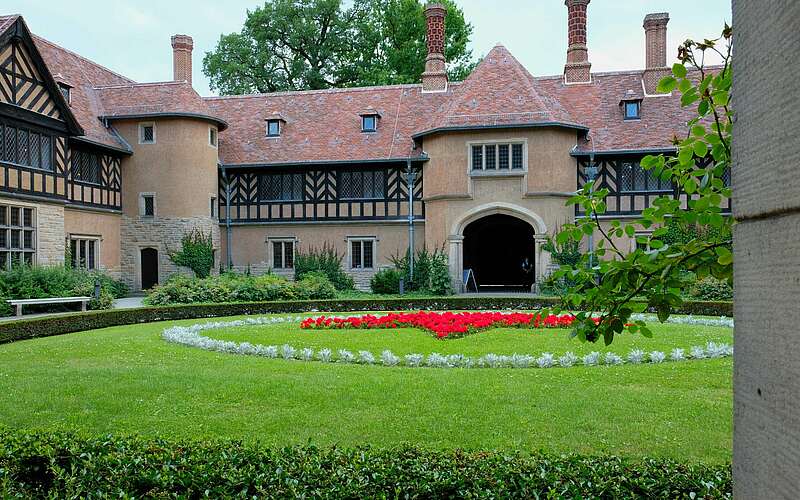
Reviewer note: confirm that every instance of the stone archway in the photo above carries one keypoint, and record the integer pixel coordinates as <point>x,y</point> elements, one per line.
<point>499,250</point>
<point>529,219</point>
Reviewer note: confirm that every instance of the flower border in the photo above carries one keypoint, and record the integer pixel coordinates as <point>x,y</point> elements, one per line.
<point>191,336</point>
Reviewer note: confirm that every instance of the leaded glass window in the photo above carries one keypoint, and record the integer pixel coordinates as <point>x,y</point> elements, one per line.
<point>17,236</point>
<point>362,184</point>
<point>632,178</point>
<point>86,167</point>
<point>493,157</point>
<point>281,187</point>
<point>24,147</point>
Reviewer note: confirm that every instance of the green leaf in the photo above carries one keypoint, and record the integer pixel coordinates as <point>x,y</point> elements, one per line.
<point>666,85</point>
<point>700,149</point>
<point>724,256</point>
<point>698,131</point>
<point>679,70</point>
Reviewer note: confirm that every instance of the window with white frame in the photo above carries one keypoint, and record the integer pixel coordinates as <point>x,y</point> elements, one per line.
<point>212,136</point>
<point>84,251</point>
<point>147,204</point>
<point>17,236</point>
<point>497,157</point>
<point>362,253</point>
<point>282,253</point>
<point>147,133</point>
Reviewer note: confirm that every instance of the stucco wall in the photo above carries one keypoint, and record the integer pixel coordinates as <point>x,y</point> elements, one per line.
<point>455,196</point>
<point>251,251</point>
<point>181,168</point>
<point>766,190</point>
<point>105,226</point>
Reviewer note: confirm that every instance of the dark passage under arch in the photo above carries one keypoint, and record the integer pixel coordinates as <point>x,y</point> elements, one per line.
<point>500,250</point>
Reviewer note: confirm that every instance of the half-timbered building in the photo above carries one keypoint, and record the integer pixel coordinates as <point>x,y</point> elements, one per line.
<point>110,173</point>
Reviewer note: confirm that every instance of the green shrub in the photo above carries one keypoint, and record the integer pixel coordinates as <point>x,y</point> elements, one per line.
<point>710,288</point>
<point>231,287</point>
<point>314,286</point>
<point>431,271</point>
<point>56,465</point>
<point>567,253</point>
<point>386,281</point>
<point>40,282</point>
<point>325,260</point>
<point>196,253</point>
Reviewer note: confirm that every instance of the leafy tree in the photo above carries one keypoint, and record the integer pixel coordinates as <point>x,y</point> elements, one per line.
<point>317,44</point>
<point>196,253</point>
<point>619,284</point>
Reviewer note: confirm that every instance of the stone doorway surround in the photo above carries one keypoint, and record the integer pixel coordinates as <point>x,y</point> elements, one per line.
<point>139,246</point>
<point>455,239</point>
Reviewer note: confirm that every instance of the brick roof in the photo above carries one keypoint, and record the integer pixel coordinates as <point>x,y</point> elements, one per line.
<point>324,125</point>
<point>499,91</point>
<point>153,99</point>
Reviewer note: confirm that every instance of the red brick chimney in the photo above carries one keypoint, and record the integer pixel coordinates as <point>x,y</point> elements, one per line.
<point>434,79</point>
<point>655,32</point>
<point>182,58</point>
<point>577,69</point>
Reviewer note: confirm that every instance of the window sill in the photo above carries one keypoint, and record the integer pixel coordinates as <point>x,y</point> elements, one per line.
<point>498,173</point>
<point>31,167</point>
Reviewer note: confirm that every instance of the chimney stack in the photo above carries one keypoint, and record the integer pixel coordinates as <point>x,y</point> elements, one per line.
<point>577,69</point>
<point>182,58</point>
<point>655,31</point>
<point>434,79</point>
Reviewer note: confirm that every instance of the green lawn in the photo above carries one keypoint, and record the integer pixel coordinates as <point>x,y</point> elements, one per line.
<point>127,379</point>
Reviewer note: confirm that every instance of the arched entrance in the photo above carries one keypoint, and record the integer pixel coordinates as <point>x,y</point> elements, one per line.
<point>501,252</point>
<point>149,267</point>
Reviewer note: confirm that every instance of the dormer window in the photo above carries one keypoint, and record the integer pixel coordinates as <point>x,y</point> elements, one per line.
<point>369,123</point>
<point>631,104</point>
<point>632,109</point>
<point>65,91</point>
<point>274,128</point>
<point>369,119</point>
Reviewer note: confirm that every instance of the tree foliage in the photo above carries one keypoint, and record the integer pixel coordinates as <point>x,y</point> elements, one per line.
<point>196,253</point>
<point>317,44</point>
<point>656,271</point>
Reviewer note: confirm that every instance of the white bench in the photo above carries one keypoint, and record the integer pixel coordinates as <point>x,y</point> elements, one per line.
<point>55,300</point>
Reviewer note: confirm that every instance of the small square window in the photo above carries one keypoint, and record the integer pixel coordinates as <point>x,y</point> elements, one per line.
<point>147,133</point>
<point>212,137</point>
<point>369,123</point>
<point>273,128</point>
<point>632,110</point>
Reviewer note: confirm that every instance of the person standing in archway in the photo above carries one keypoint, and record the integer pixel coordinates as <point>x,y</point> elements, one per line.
<point>527,271</point>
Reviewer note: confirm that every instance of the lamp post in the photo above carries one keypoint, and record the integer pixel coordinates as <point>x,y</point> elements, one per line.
<point>591,174</point>
<point>410,178</point>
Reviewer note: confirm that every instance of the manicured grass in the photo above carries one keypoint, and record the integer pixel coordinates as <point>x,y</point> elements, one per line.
<point>127,379</point>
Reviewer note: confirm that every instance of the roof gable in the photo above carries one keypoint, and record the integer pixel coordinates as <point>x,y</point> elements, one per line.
<point>25,80</point>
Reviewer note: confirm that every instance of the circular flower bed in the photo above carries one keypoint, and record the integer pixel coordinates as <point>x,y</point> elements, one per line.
<point>192,336</point>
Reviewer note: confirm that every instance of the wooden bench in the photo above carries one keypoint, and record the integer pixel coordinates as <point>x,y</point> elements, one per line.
<point>55,300</point>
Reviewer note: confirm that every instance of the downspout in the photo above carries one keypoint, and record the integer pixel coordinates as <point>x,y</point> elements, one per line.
<point>410,174</point>
<point>228,229</point>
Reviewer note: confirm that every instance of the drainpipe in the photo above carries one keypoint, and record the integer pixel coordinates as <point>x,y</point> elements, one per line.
<point>410,175</point>
<point>228,230</point>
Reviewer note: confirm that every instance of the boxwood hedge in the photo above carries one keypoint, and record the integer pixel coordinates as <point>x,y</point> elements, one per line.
<point>69,323</point>
<point>67,465</point>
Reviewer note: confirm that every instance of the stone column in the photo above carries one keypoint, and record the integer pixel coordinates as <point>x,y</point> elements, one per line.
<point>766,194</point>
<point>456,261</point>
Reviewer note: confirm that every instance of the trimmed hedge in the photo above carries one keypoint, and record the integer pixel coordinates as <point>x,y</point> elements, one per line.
<point>66,465</point>
<point>11,331</point>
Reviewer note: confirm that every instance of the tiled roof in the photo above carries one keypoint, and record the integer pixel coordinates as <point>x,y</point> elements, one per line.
<point>6,21</point>
<point>153,99</point>
<point>597,105</point>
<point>500,91</point>
<point>83,75</point>
<point>324,125</point>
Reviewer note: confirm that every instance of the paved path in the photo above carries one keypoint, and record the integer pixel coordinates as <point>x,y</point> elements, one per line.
<point>128,303</point>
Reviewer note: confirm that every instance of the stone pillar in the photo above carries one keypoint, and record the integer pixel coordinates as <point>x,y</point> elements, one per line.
<point>434,79</point>
<point>578,67</point>
<point>766,193</point>
<point>655,31</point>
<point>455,259</point>
<point>542,258</point>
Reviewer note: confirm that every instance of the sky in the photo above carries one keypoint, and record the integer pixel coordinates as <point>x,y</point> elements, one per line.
<point>133,38</point>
